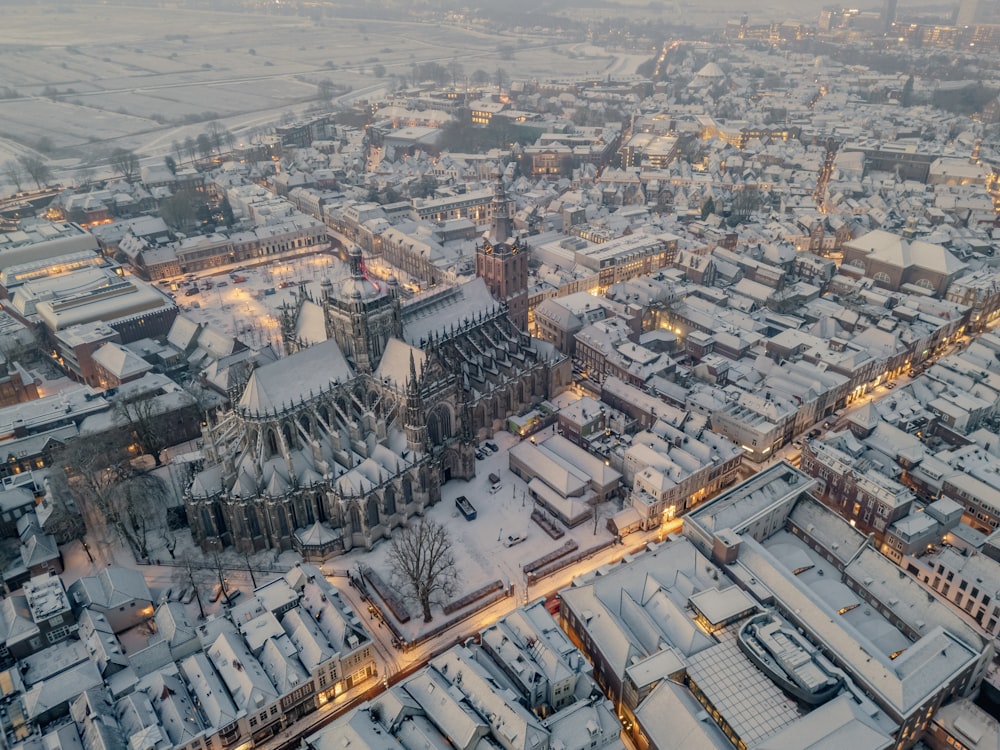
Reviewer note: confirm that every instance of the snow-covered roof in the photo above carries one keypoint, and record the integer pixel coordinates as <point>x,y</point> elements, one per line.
<point>437,312</point>
<point>394,366</point>
<point>120,361</point>
<point>296,377</point>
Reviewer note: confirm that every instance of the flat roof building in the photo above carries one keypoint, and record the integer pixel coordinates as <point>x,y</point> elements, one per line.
<point>910,654</point>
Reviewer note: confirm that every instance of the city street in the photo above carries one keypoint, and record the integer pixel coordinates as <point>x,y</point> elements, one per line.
<point>396,664</point>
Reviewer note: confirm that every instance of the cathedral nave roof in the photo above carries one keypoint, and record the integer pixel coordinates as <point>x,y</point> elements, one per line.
<point>294,378</point>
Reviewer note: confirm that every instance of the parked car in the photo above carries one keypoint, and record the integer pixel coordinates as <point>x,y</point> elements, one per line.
<point>513,539</point>
<point>492,446</point>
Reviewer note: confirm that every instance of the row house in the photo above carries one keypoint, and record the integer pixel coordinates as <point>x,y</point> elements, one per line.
<point>870,501</point>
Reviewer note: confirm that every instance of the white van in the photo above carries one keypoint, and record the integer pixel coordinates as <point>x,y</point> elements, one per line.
<point>495,484</point>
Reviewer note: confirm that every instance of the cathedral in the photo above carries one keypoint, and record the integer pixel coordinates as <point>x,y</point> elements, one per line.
<point>374,406</point>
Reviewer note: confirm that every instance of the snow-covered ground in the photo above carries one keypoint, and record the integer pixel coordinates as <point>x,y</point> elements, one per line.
<point>244,310</point>
<point>97,77</point>
<point>479,545</point>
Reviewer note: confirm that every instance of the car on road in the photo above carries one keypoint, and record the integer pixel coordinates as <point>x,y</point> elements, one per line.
<point>796,443</point>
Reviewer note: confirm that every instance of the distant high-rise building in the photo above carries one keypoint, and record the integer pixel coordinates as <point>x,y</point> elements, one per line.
<point>972,12</point>
<point>968,12</point>
<point>888,14</point>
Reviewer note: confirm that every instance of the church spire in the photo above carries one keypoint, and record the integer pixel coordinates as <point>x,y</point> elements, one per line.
<point>502,228</point>
<point>286,317</point>
<point>416,419</point>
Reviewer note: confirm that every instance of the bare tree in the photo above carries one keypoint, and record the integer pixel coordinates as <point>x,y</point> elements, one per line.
<point>248,560</point>
<point>144,422</point>
<point>745,202</point>
<point>169,538</point>
<point>137,508</point>
<point>423,563</point>
<point>178,210</point>
<point>90,469</point>
<point>85,174</point>
<point>12,171</point>
<point>37,169</point>
<point>325,89</point>
<point>204,145</point>
<point>501,78</point>
<point>59,514</point>
<point>96,472</point>
<point>217,565</point>
<point>192,574</point>
<point>456,70</point>
<point>219,135</point>
<point>125,163</point>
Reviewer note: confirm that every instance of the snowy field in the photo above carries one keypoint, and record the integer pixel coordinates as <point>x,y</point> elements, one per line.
<point>703,13</point>
<point>94,78</point>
